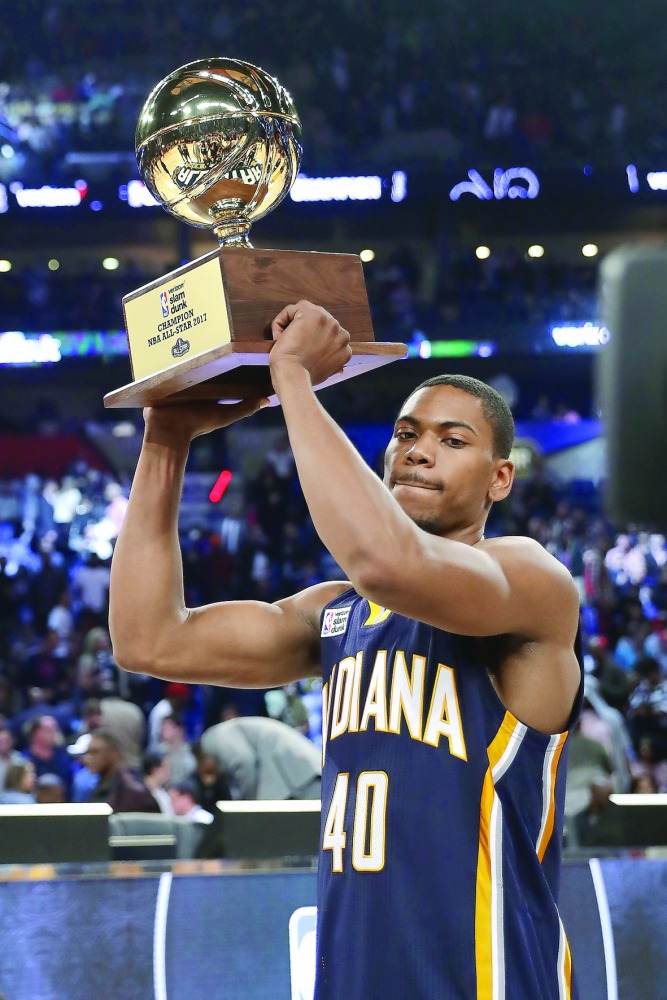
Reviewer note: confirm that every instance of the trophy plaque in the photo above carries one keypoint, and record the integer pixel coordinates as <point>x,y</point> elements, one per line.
<point>218,145</point>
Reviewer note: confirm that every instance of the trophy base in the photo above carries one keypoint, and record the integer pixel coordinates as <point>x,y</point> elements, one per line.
<point>234,371</point>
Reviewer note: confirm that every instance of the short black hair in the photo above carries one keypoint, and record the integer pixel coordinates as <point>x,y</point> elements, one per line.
<point>496,411</point>
<point>151,760</point>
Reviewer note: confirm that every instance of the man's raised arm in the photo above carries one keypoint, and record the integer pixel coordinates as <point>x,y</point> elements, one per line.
<point>243,643</point>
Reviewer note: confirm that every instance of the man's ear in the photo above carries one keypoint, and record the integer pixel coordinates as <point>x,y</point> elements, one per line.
<point>502,480</point>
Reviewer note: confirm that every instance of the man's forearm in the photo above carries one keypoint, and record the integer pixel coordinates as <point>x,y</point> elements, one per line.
<point>353,512</point>
<point>146,592</point>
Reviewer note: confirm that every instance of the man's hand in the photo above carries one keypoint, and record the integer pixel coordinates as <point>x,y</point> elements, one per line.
<point>186,421</point>
<point>309,337</point>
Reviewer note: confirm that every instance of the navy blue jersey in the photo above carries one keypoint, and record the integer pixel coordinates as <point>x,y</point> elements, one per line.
<point>441,822</point>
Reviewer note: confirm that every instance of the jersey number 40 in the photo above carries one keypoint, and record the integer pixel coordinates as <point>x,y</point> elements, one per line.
<point>369,824</point>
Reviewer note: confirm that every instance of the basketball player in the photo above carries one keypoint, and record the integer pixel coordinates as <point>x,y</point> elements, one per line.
<point>449,679</point>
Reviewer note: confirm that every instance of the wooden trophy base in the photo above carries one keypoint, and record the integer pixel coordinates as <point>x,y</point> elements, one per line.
<point>203,332</point>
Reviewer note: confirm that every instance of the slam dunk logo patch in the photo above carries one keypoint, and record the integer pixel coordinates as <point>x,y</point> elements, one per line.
<point>335,621</point>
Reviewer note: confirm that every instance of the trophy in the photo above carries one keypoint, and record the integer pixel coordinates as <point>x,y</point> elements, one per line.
<point>218,145</point>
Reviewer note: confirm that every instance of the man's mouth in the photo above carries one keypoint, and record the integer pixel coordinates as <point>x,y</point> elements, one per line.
<point>416,482</point>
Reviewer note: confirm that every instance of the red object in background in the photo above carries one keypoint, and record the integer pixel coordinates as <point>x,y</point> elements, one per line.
<point>221,484</point>
<point>47,455</point>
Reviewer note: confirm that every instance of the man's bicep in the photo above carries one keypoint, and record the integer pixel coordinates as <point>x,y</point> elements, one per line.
<point>248,643</point>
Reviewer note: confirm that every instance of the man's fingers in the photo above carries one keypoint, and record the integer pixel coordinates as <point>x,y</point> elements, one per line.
<point>283,320</point>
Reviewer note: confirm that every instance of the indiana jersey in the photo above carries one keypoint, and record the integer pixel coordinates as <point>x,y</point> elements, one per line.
<point>441,822</point>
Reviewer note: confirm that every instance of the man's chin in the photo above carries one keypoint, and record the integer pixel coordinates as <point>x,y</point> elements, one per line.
<point>432,525</point>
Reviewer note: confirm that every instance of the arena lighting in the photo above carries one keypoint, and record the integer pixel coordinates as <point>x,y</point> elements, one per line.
<point>657,180</point>
<point>450,349</point>
<point>504,185</point>
<point>336,188</point>
<point>81,344</point>
<point>17,349</point>
<point>7,151</point>
<point>49,197</point>
<point>5,265</point>
<point>111,263</point>
<point>137,195</point>
<point>589,250</point>
<point>585,335</point>
<point>399,185</point>
<point>482,253</point>
<point>367,256</point>
<point>536,250</point>
<point>4,204</point>
<point>53,264</point>
<point>633,180</point>
<point>221,484</point>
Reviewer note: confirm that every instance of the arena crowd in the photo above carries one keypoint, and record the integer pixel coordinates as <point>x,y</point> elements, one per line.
<point>59,685</point>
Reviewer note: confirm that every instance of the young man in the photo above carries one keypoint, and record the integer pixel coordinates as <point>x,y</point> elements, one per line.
<point>449,674</point>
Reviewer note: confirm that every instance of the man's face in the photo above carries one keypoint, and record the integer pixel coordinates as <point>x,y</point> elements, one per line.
<point>48,731</point>
<point>100,758</point>
<point>440,465</point>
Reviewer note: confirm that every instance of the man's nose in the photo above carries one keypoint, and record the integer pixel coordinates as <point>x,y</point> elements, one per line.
<point>420,453</point>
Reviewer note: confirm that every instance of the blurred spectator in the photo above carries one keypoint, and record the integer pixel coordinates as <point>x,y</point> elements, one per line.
<point>46,750</point>
<point>183,796</point>
<point>176,697</point>
<point>156,771</point>
<point>117,785</point>
<point>45,671</point>
<point>612,681</point>
<point>597,825</point>
<point>176,748</point>
<point>648,706</point>
<point>209,782</point>
<point>20,783</point>
<point>83,779</point>
<point>264,759</point>
<point>286,705</point>
<point>61,621</point>
<point>588,765</point>
<point>127,723</point>
<point>648,766</point>
<point>91,581</point>
<point>50,789</point>
<point>8,755</point>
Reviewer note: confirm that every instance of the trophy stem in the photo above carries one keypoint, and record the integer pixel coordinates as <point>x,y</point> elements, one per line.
<point>230,227</point>
<point>233,236</point>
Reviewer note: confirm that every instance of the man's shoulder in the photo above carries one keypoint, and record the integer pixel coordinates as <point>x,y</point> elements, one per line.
<point>524,552</point>
<point>310,603</point>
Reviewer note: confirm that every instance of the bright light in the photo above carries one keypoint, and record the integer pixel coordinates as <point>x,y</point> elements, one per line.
<point>221,484</point>
<point>367,256</point>
<point>17,349</point>
<point>111,263</point>
<point>399,185</point>
<point>657,180</point>
<point>49,197</point>
<point>336,188</point>
<point>586,335</point>
<point>5,265</point>
<point>53,264</point>
<point>482,253</point>
<point>589,250</point>
<point>536,250</point>
<point>7,151</point>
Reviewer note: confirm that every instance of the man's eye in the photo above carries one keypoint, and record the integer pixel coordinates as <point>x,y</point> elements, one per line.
<point>403,435</point>
<point>456,442</point>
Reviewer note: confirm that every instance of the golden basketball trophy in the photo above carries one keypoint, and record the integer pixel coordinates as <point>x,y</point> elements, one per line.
<point>218,145</point>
